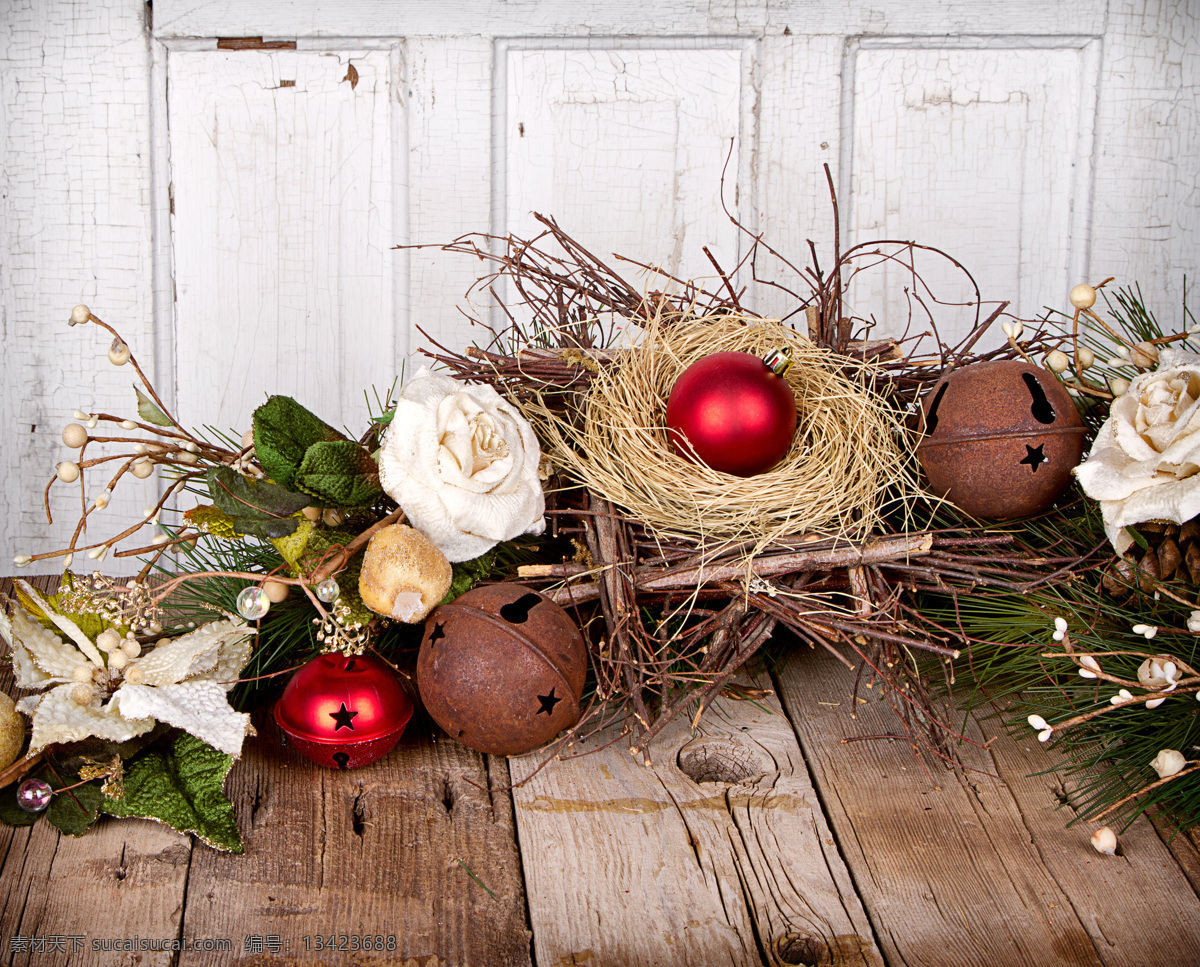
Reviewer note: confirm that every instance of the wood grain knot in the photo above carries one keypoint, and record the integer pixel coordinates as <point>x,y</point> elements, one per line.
<point>723,760</point>
<point>794,948</point>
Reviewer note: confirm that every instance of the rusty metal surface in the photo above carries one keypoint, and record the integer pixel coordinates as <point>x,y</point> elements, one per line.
<point>1001,439</point>
<point>502,669</point>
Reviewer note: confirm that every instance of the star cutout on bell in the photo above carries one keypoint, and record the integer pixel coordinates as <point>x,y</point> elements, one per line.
<point>1034,456</point>
<point>548,702</point>
<point>437,633</point>
<point>344,718</point>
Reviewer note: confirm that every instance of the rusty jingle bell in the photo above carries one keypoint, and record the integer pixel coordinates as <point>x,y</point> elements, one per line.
<point>1001,439</point>
<point>501,669</point>
<point>342,711</point>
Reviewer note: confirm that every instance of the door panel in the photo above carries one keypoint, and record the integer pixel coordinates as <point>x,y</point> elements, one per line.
<point>974,151</point>
<point>283,196</point>
<point>625,148</point>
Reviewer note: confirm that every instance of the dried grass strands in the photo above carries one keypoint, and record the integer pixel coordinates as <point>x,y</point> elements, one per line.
<point>849,463</point>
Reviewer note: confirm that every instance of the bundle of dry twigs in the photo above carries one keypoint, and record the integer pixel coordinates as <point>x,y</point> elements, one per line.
<point>673,615</point>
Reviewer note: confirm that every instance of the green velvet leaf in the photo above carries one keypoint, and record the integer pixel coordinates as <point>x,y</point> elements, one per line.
<point>149,411</point>
<point>65,813</point>
<point>257,506</point>
<point>182,785</point>
<point>340,473</point>
<point>10,813</point>
<point>283,432</point>
<point>268,529</point>
<point>466,574</point>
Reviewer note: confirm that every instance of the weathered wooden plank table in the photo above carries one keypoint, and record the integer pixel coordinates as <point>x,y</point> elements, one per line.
<point>760,838</point>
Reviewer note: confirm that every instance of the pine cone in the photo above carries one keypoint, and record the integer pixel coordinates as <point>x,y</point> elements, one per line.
<point>1173,554</point>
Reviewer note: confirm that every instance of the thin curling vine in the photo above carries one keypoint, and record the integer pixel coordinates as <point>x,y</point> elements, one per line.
<point>164,443</point>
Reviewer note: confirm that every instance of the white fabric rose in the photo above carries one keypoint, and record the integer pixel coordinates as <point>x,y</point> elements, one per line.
<point>462,463</point>
<point>1143,465</point>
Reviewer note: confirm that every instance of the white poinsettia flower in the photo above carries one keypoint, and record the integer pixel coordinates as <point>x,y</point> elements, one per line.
<point>182,682</point>
<point>1145,463</point>
<point>462,463</point>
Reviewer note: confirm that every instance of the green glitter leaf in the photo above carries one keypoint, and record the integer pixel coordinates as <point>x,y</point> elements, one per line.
<point>182,785</point>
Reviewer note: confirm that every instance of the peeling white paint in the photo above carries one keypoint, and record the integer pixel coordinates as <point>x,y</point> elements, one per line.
<point>1038,142</point>
<point>74,227</point>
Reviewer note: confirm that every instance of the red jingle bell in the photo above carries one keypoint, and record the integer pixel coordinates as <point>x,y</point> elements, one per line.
<point>734,411</point>
<point>343,712</point>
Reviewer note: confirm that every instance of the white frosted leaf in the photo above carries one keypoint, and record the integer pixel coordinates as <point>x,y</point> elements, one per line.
<point>40,657</point>
<point>232,657</point>
<point>197,707</point>
<point>193,653</point>
<point>65,625</point>
<point>58,718</point>
<point>28,705</point>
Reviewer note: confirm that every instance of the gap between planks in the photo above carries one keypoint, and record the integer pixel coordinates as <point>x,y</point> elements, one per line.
<point>980,867</point>
<point>717,854</point>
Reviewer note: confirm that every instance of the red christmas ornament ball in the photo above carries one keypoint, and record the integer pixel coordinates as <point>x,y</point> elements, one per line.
<point>732,411</point>
<point>343,712</point>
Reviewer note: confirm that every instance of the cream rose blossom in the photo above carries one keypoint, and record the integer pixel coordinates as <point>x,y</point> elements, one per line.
<point>462,463</point>
<point>1143,465</point>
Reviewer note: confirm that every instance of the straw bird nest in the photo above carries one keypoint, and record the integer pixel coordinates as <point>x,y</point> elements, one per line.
<point>848,462</point>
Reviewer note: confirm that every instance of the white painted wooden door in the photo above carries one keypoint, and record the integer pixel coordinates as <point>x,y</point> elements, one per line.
<point>241,226</point>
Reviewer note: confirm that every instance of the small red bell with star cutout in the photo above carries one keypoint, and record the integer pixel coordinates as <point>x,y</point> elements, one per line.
<point>342,711</point>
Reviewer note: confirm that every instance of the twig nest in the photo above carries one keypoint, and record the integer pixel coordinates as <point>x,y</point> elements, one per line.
<point>12,732</point>
<point>848,461</point>
<point>404,575</point>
